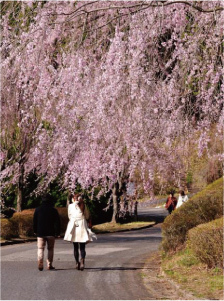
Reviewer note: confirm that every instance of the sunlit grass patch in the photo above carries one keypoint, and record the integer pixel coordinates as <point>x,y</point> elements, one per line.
<point>187,259</point>
<point>115,227</point>
<point>194,276</point>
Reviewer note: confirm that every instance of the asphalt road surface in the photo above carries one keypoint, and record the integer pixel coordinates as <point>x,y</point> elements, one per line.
<point>114,264</point>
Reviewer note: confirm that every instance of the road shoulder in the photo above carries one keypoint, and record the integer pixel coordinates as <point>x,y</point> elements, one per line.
<point>158,285</point>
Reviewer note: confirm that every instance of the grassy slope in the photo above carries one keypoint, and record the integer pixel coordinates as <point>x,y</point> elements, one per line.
<point>185,269</point>
<point>203,207</point>
<point>193,276</point>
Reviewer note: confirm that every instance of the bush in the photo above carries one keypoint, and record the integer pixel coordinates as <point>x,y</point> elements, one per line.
<point>7,212</point>
<point>63,213</point>
<point>206,242</point>
<point>27,212</point>
<point>24,223</point>
<point>205,206</point>
<point>21,224</point>
<point>8,229</point>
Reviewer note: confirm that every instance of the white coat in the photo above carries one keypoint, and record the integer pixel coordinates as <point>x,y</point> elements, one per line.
<point>182,200</point>
<point>77,229</point>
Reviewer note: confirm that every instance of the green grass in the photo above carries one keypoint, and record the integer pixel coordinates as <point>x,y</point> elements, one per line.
<point>169,272</point>
<point>187,259</point>
<point>116,227</point>
<point>216,283</point>
<point>193,276</point>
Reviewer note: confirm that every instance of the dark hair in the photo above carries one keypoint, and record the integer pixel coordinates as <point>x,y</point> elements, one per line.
<point>75,195</point>
<point>47,198</point>
<point>182,193</point>
<point>172,193</point>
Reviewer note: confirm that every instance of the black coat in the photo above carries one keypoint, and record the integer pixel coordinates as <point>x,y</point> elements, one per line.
<point>46,221</point>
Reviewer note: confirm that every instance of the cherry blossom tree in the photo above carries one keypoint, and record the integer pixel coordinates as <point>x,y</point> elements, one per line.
<point>104,92</point>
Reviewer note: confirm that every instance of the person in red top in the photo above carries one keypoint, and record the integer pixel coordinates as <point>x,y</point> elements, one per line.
<point>171,203</point>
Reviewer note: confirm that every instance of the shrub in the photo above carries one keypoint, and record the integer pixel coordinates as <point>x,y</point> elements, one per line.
<point>63,213</point>
<point>8,229</point>
<point>206,242</point>
<point>7,212</point>
<point>24,223</point>
<point>21,224</point>
<point>205,206</point>
<point>27,212</point>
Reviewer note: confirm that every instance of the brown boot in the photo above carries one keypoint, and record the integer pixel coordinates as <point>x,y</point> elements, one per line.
<point>77,265</point>
<point>40,265</point>
<point>82,264</point>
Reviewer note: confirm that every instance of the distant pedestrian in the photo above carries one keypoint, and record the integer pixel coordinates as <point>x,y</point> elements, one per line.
<point>78,231</point>
<point>182,199</point>
<point>171,203</point>
<point>46,225</point>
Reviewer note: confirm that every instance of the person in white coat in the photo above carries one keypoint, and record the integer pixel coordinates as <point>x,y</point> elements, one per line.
<point>182,199</point>
<point>77,230</point>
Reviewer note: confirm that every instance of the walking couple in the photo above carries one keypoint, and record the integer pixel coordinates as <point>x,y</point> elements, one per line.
<point>46,224</point>
<point>172,203</point>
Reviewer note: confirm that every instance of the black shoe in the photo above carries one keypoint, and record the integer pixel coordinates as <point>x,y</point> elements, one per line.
<point>51,267</point>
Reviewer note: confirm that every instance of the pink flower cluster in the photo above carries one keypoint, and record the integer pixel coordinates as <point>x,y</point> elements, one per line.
<point>93,102</point>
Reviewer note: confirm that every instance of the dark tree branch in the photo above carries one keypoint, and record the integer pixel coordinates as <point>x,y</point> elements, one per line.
<point>146,4</point>
<point>140,6</point>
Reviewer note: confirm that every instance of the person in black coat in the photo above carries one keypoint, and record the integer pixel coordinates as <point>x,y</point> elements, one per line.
<point>46,225</point>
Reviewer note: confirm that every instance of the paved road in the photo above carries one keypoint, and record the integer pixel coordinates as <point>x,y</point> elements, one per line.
<point>113,270</point>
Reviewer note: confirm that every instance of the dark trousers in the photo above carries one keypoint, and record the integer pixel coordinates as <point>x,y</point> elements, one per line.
<point>82,246</point>
<point>170,209</point>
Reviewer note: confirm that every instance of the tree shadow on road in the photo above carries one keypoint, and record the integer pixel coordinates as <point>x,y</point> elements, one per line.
<point>152,217</point>
<point>115,269</point>
<point>97,269</point>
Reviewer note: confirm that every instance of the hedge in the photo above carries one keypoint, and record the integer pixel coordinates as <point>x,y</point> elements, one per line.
<point>63,213</point>
<point>21,224</point>
<point>8,229</point>
<point>206,242</point>
<point>204,207</point>
<point>24,222</point>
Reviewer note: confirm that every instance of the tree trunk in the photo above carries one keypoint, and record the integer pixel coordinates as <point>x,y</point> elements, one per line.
<point>20,189</point>
<point>115,204</point>
<point>19,195</point>
<point>68,199</point>
<point>136,211</point>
